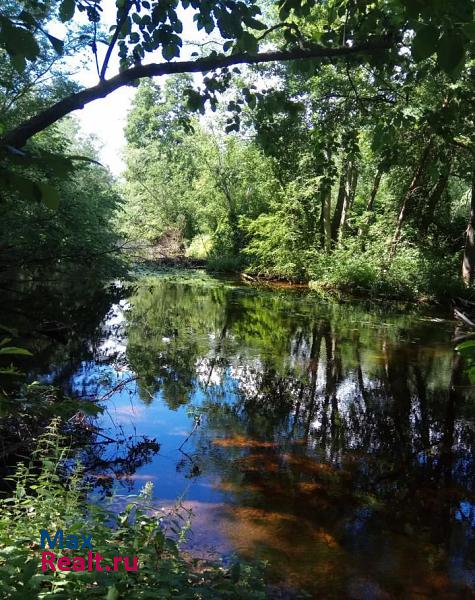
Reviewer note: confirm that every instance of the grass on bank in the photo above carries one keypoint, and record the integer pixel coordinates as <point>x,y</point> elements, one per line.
<point>48,493</point>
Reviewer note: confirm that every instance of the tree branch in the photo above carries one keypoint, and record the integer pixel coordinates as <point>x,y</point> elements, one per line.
<point>120,23</point>
<point>21,134</point>
<point>280,26</point>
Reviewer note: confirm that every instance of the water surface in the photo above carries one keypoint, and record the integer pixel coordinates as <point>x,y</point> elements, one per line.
<point>334,440</point>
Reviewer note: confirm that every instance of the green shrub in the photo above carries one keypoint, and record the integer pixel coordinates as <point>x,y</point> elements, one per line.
<point>276,248</point>
<point>49,494</point>
<point>412,274</point>
<point>225,264</point>
<point>200,246</point>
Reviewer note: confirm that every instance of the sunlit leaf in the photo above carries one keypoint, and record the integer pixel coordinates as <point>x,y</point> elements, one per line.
<point>112,593</point>
<point>13,350</point>
<point>467,345</point>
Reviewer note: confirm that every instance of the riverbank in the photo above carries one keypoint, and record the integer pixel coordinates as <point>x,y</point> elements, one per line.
<point>382,291</point>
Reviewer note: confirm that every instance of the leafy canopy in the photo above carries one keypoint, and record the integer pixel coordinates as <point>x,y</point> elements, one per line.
<point>145,26</point>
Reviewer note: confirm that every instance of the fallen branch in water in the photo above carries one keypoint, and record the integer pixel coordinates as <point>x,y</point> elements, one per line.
<point>462,317</point>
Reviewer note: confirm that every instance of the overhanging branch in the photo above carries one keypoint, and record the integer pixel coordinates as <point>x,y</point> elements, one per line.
<point>21,134</point>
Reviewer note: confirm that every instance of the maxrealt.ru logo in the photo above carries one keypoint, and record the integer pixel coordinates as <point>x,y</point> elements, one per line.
<point>50,561</point>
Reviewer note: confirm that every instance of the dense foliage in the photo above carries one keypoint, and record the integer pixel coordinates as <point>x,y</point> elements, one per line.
<point>57,202</point>
<point>334,176</point>
<point>353,167</point>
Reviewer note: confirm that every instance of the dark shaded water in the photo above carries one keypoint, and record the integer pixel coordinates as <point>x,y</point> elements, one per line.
<point>333,440</point>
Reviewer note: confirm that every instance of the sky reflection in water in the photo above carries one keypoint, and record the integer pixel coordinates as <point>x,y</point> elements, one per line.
<point>335,440</point>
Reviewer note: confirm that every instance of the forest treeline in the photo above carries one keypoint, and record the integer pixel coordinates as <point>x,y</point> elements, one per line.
<point>326,142</point>
<point>337,176</point>
<point>57,202</point>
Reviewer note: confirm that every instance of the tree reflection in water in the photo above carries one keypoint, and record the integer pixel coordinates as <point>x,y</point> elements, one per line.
<point>341,436</point>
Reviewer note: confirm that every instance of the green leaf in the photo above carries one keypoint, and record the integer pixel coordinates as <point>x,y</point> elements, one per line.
<point>126,27</point>
<point>413,8</point>
<point>194,101</point>
<point>465,346</point>
<point>469,30</point>
<point>11,371</point>
<point>66,10</point>
<point>236,572</point>
<point>25,187</point>
<point>13,350</point>
<point>113,593</point>
<point>23,42</point>
<point>170,51</point>
<point>18,62</point>
<point>92,161</point>
<point>425,42</point>
<point>49,195</point>
<point>380,138</point>
<point>9,330</point>
<point>28,570</point>
<point>57,44</point>
<point>450,51</point>
<point>248,42</point>
<point>471,375</point>
<point>254,24</point>
<point>91,409</point>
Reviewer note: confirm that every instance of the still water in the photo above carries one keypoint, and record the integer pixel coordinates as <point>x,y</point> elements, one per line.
<point>334,440</point>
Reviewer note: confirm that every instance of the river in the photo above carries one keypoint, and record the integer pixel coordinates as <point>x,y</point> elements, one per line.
<point>334,440</point>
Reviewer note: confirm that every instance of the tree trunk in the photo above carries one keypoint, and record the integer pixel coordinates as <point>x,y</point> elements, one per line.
<point>400,394</point>
<point>339,202</point>
<point>327,222</point>
<point>351,183</point>
<point>363,230</point>
<point>335,422</point>
<point>434,198</point>
<point>415,183</point>
<point>468,264</point>
<point>323,433</point>
<point>317,335</point>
